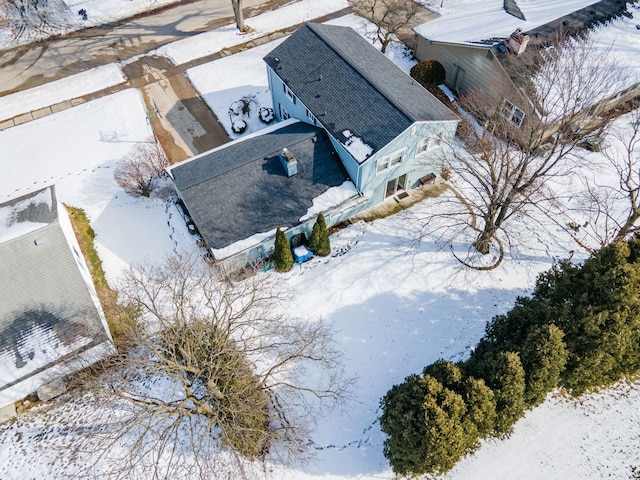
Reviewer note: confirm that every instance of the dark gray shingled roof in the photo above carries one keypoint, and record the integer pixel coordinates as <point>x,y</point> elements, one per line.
<point>44,300</point>
<point>348,85</point>
<point>242,189</point>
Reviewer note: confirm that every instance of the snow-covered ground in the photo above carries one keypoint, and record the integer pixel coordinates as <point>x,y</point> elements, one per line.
<point>210,42</point>
<point>396,305</point>
<point>58,17</point>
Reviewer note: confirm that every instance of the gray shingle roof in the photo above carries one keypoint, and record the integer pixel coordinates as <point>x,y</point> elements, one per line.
<point>45,304</point>
<point>348,85</point>
<point>241,189</point>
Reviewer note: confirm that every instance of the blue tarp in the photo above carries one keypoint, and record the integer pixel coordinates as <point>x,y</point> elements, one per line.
<point>302,254</point>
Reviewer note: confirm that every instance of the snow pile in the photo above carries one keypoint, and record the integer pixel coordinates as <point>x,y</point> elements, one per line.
<point>356,146</point>
<point>331,198</point>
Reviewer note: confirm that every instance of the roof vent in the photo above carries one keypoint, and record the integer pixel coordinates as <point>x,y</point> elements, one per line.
<point>289,162</point>
<point>518,41</point>
<point>37,241</point>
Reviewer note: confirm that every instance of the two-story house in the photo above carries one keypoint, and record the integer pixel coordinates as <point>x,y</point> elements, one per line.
<point>384,125</point>
<point>347,116</point>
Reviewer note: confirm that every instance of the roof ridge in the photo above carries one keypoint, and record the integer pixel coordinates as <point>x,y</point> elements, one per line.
<point>385,93</point>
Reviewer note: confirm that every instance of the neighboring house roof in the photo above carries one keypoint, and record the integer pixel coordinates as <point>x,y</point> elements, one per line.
<point>241,188</point>
<point>351,87</point>
<point>615,36</point>
<point>487,22</point>
<point>47,311</point>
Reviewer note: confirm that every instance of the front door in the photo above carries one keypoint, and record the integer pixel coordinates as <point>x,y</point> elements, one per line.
<point>396,185</point>
<point>458,78</point>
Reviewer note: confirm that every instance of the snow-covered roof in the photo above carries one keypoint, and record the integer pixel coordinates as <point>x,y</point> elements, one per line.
<point>48,312</point>
<point>487,19</point>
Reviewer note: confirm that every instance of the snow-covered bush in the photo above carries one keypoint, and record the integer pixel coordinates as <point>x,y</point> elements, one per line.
<point>238,126</point>
<point>266,114</point>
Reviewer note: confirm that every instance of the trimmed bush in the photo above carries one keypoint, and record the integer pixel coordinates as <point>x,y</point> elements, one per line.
<point>544,356</point>
<point>428,72</point>
<point>507,382</point>
<point>424,423</point>
<point>265,114</point>
<point>282,257</point>
<point>319,242</point>
<point>238,126</point>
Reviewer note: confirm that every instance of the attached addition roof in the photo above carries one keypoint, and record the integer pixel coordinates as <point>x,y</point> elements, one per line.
<point>351,87</point>
<point>241,189</point>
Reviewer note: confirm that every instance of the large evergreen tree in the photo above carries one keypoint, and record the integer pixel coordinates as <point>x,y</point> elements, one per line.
<point>319,241</point>
<point>597,306</point>
<point>282,257</point>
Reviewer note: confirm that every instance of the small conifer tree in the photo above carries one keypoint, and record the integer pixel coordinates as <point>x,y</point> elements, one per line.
<point>319,242</point>
<point>282,257</point>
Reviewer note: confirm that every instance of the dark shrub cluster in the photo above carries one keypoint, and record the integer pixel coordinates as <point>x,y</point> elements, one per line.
<point>580,329</point>
<point>428,72</point>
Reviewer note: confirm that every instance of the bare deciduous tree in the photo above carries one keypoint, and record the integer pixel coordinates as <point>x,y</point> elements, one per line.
<point>217,380</point>
<point>138,173</point>
<point>613,209</point>
<point>503,169</point>
<point>389,16</point>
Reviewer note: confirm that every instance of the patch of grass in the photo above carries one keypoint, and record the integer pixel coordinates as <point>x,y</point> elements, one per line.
<point>120,318</point>
<point>390,207</point>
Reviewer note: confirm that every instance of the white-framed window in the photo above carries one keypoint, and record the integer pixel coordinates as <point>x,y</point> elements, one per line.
<point>389,161</point>
<point>284,115</point>
<point>289,93</point>
<point>427,144</point>
<point>512,113</point>
<point>312,117</point>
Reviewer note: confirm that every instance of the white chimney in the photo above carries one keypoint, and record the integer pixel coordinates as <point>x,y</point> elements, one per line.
<point>518,41</point>
<point>289,162</point>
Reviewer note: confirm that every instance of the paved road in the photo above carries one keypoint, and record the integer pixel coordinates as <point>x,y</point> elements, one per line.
<point>36,64</point>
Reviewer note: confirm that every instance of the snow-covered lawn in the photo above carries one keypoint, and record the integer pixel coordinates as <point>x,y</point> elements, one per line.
<point>51,93</point>
<point>396,305</point>
<point>207,43</point>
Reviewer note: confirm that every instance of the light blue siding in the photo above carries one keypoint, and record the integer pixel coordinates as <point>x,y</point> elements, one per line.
<point>413,165</point>
<point>295,109</point>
